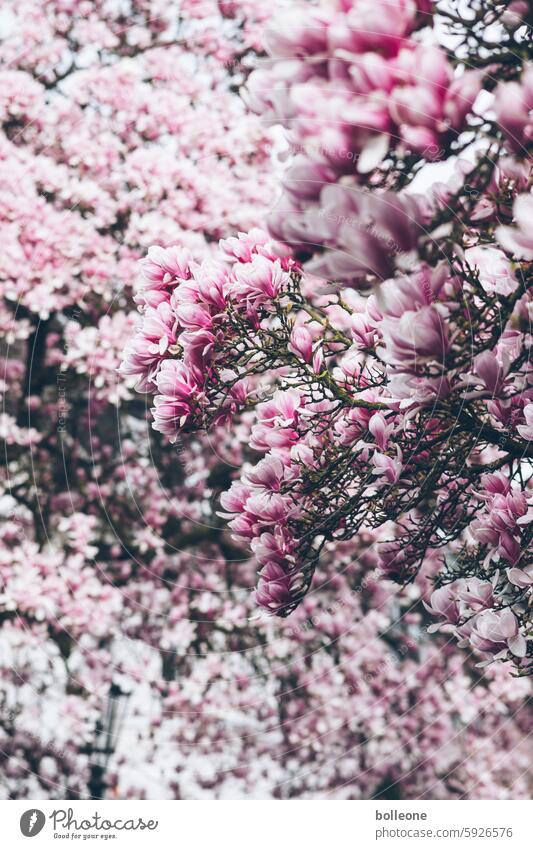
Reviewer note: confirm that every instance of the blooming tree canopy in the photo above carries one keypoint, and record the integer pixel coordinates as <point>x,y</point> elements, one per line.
<point>381,354</point>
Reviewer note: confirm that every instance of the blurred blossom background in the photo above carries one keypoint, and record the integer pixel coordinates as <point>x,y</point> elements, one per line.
<point>133,660</point>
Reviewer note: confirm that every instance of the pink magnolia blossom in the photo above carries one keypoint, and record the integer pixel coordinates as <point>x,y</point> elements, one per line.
<point>491,371</point>
<point>495,274</point>
<point>445,602</point>
<point>177,398</point>
<point>259,280</point>
<point>526,431</point>
<point>495,632</point>
<point>522,578</point>
<point>416,336</point>
<point>388,467</point>
<point>301,343</point>
<point>513,105</point>
<point>518,240</point>
<point>380,430</point>
<point>278,587</point>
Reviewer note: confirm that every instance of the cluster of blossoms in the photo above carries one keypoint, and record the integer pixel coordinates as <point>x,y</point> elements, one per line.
<point>365,87</point>
<point>362,395</point>
<point>184,311</point>
<point>341,701</point>
<point>357,84</point>
<point>104,150</point>
<point>408,410</point>
<point>362,705</point>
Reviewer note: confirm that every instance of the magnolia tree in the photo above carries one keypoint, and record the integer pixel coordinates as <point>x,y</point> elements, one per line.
<point>134,659</point>
<point>383,357</point>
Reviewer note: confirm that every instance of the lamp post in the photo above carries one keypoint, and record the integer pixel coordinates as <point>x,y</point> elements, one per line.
<point>107,732</point>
